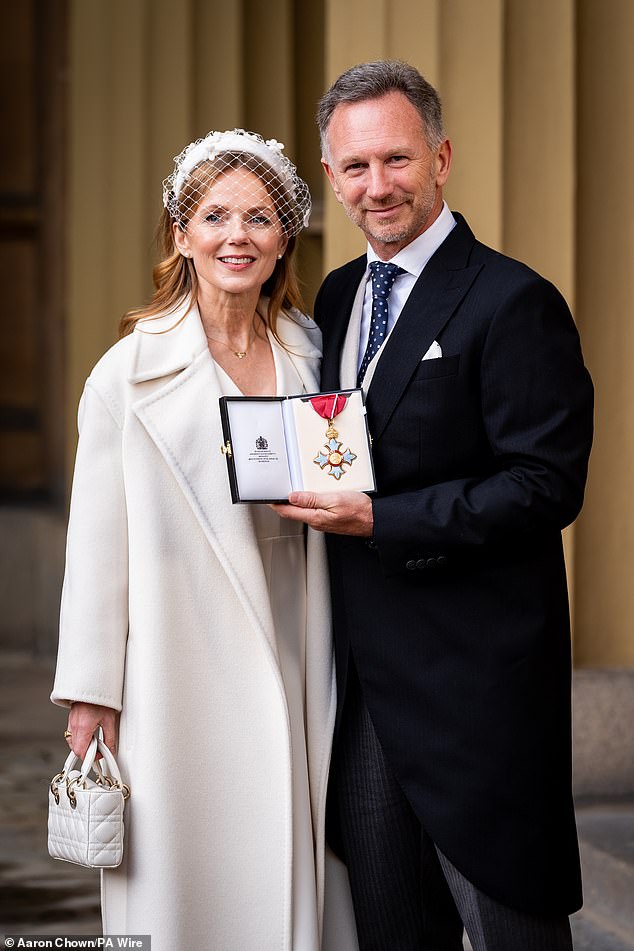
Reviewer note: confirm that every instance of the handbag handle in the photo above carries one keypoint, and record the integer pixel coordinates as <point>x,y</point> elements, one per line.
<point>113,777</point>
<point>97,744</point>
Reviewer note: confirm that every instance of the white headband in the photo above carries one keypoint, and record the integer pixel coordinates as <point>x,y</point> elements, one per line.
<point>269,152</point>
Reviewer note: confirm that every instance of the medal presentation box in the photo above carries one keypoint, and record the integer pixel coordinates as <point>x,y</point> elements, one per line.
<point>276,444</point>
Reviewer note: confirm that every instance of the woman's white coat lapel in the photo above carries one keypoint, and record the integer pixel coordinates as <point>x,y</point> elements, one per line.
<point>181,416</point>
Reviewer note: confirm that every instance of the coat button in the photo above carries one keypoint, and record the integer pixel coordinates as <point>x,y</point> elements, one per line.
<point>431,563</point>
<point>410,565</point>
<point>371,544</point>
<point>442,560</point>
<point>420,563</point>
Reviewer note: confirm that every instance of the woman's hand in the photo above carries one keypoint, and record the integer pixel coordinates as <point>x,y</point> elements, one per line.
<point>83,720</point>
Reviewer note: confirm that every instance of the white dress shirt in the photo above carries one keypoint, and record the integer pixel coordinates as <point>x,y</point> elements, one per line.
<point>412,259</point>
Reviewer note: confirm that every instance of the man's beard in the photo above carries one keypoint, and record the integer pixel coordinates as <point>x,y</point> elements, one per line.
<point>398,232</point>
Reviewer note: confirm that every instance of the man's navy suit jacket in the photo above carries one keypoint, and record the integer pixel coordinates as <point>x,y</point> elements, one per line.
<point>456,613</point>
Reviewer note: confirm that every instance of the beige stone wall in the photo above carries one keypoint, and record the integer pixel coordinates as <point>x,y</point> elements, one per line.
<point>538,104</point>
<point>605,305</point>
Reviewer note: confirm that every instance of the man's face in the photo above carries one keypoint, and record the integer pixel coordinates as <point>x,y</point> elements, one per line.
<point>383,172</point>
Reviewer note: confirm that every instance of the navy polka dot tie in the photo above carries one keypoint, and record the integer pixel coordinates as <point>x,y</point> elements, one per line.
<point>383,277</point>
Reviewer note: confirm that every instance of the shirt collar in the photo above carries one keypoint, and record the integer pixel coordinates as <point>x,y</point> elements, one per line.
<point>417,253</point>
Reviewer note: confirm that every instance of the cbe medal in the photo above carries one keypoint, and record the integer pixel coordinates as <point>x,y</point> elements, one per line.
<point>331,454</point>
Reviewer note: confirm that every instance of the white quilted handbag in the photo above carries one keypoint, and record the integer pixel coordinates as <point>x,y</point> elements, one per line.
<point>85,816</point>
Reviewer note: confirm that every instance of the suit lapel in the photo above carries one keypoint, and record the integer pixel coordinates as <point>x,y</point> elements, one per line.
<point>350,352</point>
<point>345,283</point>
<point>434,299</point>
<point>182,418</point>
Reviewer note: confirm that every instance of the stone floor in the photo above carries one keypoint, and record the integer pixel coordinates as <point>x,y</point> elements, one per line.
<point>41,896</point>
<point>37,894</point>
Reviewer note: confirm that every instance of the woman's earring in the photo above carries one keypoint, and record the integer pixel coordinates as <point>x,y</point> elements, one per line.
<point>279,257</point>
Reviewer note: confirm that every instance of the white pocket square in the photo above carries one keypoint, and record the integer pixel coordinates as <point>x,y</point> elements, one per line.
<point>434,351</point>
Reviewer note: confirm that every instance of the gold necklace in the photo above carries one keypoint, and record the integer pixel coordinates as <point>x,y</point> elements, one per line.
<point>240,354</point>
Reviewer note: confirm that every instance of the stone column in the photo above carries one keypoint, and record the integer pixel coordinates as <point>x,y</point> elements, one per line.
<point>605,302</point>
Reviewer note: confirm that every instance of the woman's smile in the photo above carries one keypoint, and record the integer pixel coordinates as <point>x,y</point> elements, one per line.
<point>234,261</point>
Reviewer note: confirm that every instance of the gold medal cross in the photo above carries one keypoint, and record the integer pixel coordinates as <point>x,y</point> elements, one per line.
<point>332,455</point>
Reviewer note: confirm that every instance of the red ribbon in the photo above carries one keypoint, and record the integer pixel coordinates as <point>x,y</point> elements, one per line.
<point>329,406</point>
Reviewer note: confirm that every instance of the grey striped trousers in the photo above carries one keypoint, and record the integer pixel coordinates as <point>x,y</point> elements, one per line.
<point>407,896</point>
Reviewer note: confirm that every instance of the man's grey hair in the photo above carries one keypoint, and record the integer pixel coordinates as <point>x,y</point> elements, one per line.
<point>373,80</point>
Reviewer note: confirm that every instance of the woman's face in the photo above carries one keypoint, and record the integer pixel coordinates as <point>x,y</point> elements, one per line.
<point>234,235</point>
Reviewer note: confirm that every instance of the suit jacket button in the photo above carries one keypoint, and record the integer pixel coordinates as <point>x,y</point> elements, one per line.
<point>420,563</point>
<point>410,565</point>
<point>431,563</point>
<point>441,561</point>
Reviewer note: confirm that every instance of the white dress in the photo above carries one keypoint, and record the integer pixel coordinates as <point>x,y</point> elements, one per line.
<point>283,551</point>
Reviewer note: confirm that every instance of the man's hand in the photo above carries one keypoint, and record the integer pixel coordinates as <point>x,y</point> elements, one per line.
<point>342,513</point>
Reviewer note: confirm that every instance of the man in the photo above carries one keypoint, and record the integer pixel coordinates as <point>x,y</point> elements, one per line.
<point>451,774</point>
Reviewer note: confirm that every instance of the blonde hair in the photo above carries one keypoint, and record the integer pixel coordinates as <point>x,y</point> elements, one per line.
<point>174,277</point>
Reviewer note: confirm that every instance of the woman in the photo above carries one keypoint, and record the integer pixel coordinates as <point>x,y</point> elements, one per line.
<point>198,629</point>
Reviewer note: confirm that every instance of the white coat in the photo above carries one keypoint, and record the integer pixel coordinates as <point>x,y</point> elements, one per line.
<point>166,617</point>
